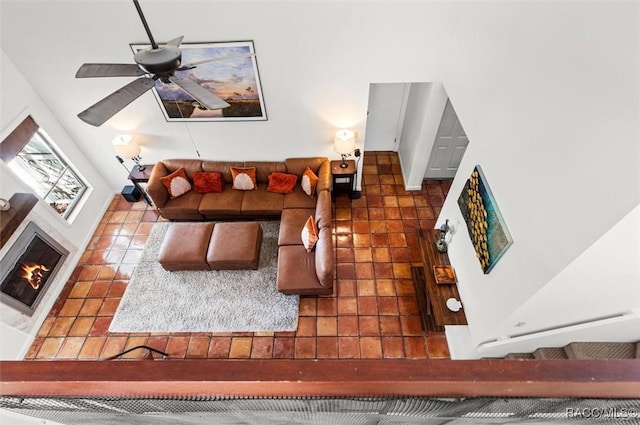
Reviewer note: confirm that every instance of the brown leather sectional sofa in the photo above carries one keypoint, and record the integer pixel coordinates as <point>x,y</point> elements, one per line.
<point>299,272</point>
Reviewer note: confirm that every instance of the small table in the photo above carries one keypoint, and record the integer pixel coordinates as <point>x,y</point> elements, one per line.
<point>438,294</point>
<point>343,178</point>
<point>137,176</point>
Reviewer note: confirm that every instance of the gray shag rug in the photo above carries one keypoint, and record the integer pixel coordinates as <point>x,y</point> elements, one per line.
<point>157,300</point>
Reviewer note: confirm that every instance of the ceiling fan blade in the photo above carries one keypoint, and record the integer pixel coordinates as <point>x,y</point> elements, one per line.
<point>199,93</point>
<point>100,112</point>
<point>196,63</point>
<point>176,41</point>
<point>90,70</point>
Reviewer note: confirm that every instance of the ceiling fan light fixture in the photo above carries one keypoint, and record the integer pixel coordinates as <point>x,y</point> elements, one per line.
<point>162,60</point>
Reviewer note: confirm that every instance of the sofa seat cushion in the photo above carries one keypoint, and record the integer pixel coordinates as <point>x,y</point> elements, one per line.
<point>221,204</point>
<point>291,224</point>
<point>262,202</point>
<point>299,199</point>
<point>184,207</point>
<point>297,272</point>
<point>307,273</point>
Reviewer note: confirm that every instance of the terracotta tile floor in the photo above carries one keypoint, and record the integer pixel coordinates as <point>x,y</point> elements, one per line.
<point>373,313</point>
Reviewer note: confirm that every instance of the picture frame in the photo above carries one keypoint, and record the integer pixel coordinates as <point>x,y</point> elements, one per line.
<point>228,69</point>
<point>486,226</point>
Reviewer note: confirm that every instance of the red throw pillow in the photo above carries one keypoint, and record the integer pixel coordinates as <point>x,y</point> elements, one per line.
<point>309,181</point>
<point>177,183</point>
<point>244,178</point>
<point>282,182</point>
<point>206,182</point>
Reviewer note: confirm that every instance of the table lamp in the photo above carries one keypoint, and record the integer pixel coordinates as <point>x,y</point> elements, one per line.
<point>344,143</point>
<point>126,147</point>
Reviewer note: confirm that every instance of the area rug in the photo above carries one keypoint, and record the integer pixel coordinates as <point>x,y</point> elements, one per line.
<point>157,300</point>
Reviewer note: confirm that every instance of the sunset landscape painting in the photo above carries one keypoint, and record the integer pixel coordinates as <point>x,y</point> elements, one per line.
<point>228,69</point>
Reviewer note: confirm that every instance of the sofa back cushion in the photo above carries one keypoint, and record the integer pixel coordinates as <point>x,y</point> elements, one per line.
<point>244,178</point>
<point>297,165</point>
<point>264,168</point>
<point>222,167</point>
<point>190,166</point>
<point>282,182</point>
<point>309,181</point>
<point>177,183</point>
<point>207,182</point>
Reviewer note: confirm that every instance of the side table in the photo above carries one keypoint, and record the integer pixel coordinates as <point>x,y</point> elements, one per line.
<point>137,176</point>
<point>343,178</point>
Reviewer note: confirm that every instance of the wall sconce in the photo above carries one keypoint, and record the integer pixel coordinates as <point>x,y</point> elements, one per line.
<point>126,147</point>
<point>344,143</point>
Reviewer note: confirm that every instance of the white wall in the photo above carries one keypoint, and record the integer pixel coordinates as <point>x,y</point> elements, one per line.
<point>605,276</point>
<point>546,91</point>
<point>19,100</point>
<point>411,139</point>
<point>385,112</point>
<point>428,103</point>
<point>549,98</point>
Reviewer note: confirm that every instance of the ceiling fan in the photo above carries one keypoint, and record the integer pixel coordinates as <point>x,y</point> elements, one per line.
<point>151,64</point>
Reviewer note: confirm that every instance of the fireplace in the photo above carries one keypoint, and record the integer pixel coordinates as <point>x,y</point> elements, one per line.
<point>29,267</point>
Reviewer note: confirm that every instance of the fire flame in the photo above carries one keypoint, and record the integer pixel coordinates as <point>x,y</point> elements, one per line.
<point>34,274</point>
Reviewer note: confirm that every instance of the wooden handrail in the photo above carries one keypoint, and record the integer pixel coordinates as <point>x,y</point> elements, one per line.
<point>323,378</point>
<point>147,356</point>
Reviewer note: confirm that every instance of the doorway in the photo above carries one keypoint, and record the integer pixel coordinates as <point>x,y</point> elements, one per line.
<point>449,146</point>
<point>418,121</point>
<point>385,115</point>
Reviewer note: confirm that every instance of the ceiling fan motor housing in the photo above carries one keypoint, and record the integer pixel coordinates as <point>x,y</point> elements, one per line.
<point>161,61</point>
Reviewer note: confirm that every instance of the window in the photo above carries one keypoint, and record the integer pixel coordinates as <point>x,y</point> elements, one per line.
<point>40,165</point>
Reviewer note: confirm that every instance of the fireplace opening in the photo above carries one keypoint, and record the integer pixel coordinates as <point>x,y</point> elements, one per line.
<point>30,265</point>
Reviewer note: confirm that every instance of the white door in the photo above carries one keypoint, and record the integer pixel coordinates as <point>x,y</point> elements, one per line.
<point>448,148</point>
<point>387,102</point>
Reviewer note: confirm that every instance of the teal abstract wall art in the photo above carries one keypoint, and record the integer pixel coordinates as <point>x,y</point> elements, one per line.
<point>486,226</point>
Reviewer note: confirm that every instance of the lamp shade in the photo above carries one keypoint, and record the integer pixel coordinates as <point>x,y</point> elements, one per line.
<point>345,142</point>
<point>125,146</point>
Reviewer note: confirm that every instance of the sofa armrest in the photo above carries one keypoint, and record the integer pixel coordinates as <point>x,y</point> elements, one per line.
<point>156,190</point>
<point>324,176</point>
<point>324,258</point>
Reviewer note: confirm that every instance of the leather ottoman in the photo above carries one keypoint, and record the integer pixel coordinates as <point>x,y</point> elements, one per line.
<point>235,246</point>
<point>185,246</point>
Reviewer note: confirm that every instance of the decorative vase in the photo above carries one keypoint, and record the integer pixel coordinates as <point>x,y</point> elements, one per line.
<point>441,245</point>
